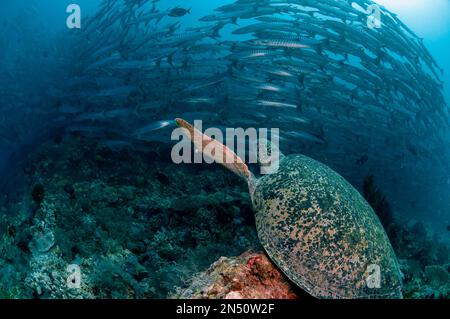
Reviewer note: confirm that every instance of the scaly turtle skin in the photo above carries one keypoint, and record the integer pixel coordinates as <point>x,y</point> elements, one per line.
<point>315,226</point>
<point>321,233</point>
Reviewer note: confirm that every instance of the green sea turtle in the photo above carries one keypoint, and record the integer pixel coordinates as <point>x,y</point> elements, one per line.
<point>315,226</point>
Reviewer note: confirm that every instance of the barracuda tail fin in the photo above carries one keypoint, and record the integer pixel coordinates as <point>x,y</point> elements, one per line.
<point>216,151</point>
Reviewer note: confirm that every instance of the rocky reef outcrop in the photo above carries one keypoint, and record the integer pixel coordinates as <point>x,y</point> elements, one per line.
<point>138,226</point>
<point>248,276</point>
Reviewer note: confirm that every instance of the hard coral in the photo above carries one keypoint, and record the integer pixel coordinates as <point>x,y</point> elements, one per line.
<point>248,276</point>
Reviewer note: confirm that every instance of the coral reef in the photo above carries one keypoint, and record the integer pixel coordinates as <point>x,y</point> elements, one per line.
<point>378,202</point>
<point>424,259</point>
<point>138,226</point>
<point>248,276</point>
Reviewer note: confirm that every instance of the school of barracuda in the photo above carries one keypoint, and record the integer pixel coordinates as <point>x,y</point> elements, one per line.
<point>338,90</point>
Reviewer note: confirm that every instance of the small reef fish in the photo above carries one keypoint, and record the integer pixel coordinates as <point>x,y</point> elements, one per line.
<point>363,160</point>
<point>179,12</point>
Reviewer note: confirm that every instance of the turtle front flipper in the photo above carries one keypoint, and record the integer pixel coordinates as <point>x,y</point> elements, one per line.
<point>216,151</point>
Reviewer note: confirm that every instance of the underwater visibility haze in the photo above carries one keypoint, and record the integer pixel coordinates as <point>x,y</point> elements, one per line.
<point>356,97</point>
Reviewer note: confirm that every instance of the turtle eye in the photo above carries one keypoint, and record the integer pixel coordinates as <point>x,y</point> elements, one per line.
<point>256,201</point>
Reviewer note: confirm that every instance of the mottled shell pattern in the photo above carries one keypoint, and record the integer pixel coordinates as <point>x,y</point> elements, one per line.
<point>322,234</point>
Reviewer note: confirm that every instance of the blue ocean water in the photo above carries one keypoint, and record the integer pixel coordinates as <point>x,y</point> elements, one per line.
<point>431,21</point>
<point>369,103</point>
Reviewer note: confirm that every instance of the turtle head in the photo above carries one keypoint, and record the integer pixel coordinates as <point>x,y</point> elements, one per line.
<point>269,156</point>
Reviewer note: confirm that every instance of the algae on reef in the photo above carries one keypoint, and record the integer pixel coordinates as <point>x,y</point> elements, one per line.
<point>141,227</point>
<point>137,226</point>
